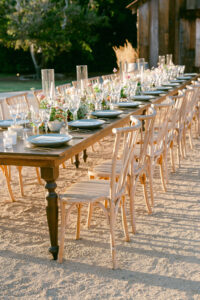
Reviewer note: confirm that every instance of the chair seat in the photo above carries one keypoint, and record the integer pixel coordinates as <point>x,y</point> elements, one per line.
<point>86,191</point>
<point>104,169</point>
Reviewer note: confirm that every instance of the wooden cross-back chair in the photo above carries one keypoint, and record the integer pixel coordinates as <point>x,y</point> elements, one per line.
<point>14,100</point>
<point>94,80</point>
<point>175,130</point>
<point>6,172</point>
<point>157,151</point>
<point>191,111</point>
<point>184,126</point>
<point>62,88</point>
<point>97,191</point>
<point>197,115</point>
<point>139,170</point>
<point>36,96</point>
<point>109,77</point>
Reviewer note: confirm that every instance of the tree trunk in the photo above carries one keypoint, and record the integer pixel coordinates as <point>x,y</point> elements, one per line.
<point>35,63</point>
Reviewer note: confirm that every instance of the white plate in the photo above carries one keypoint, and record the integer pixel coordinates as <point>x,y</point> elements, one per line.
<point>164,88</point>
<point>143,97</point>
<point>8,123</point>
<point>184,77</point>
<point>177,81</point>
<point>190,74</point>
<point>173,84</point>
<point>128,104</point>
<point>157,92</point>
<point>86,123</point>
<point>49,139</point>
<point>107,113</point>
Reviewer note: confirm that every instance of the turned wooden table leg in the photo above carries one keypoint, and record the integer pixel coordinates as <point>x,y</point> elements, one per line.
<point>50,175</point>
<point>77,162</point>
<point>85,156</point>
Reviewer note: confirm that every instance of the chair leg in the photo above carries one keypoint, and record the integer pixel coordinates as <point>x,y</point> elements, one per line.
<point>190,137</point>
<point>20,180</point>
<point>90,210</point>
<point>112,235</point>
<point>8,184</point>
<point>124,220</point>
<point>144,183</point>
<point>38,176</point>
<point>172,156</point>
<point>78,227</point>
<point>165,164</point>
<point>9,172</point>
<point>150,169</point>
<point>132,203</point>
<point>63,165</point>
<point>162,173</point>
<point>62,234</point>
<point>183,143</point>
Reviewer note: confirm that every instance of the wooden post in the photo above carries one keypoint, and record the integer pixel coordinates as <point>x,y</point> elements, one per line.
<point>197,45</point>
<point>153,39</point>
<point>143,31</point>
<point>163,27</point>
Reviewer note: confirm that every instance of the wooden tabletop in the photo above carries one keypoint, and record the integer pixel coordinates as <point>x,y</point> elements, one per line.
<point>24,156</point>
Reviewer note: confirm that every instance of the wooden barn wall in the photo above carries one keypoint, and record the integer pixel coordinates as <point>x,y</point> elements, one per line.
<point>161,31</point>
<point>192,4</point>
<point>197,44</point>
<point>187,43</point>
<point>143,31</point>
<point>154,34</point>
<point>163,27</point>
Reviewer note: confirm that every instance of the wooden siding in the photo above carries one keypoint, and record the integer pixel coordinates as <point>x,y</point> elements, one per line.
<point>169,26</point>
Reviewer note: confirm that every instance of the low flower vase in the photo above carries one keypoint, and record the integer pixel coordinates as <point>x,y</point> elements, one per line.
<point>55,126</point>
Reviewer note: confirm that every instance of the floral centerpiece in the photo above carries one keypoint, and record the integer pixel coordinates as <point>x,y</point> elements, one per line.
<point>57,118</point>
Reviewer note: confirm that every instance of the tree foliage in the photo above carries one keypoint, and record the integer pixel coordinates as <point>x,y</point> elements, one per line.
<point>88,28</point>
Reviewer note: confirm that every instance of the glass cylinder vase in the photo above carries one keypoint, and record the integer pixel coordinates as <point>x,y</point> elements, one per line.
<point>82,76</point>
<point>48,83</point>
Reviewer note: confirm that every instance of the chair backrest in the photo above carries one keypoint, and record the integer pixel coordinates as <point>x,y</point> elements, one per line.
<point>36,96</point>
<point>109,77</point>
<point>129,135</point>
<point>178,112</point>
<point>190,102</point>
<point>62,88</point>
<point>162,124</point>
<point>18,99</point>
<point>94,80</point>
<point>145,138</point>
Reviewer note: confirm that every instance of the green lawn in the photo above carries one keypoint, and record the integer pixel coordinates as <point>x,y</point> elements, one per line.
<point>10,83</point>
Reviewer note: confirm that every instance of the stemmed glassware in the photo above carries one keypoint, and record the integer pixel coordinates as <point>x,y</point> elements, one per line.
<point>44,116</point>
<point>36,118</point>
<point>14,109</point>
<point>74,105</point>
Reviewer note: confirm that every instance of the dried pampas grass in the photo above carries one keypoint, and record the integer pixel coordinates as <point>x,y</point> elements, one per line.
<point>126,53</point>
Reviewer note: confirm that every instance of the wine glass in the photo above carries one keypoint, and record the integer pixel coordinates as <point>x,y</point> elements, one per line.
<point>13,109</point>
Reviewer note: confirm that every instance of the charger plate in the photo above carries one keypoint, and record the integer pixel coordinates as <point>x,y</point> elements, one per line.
<point>49,140</point>
<point>86,123</point>
<point>107,113</point>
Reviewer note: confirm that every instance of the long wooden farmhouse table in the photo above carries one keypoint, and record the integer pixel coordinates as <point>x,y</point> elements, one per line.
<point>49,161</point>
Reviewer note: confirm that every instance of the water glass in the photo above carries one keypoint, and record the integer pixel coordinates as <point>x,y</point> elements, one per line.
<point>13,134</point>
<point>7,142</point>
